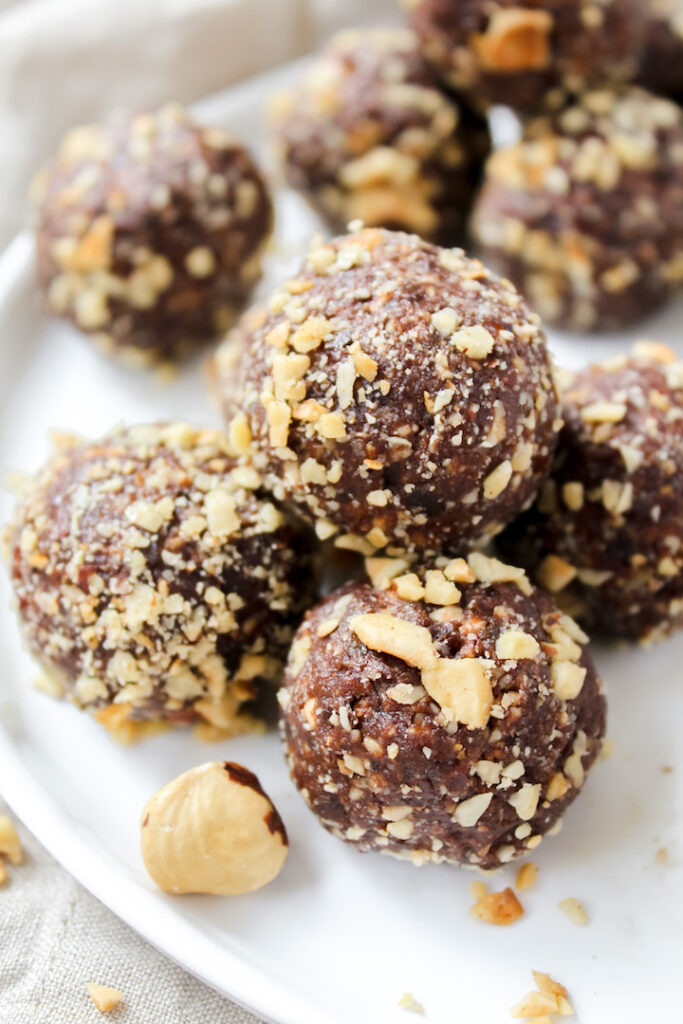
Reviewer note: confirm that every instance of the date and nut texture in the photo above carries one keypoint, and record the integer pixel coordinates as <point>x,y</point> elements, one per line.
<point>585,213</point>
<point>448,712</point>
<point>151,572</point>
<point>606,534</point>
<point>370,135</point>
<point>395,393</point>
<point>213,830</point>
<point>150,230</point>
<point>529,55</point>
<point>662,62</point>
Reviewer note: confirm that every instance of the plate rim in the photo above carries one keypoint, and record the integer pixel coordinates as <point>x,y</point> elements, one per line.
<point>147,912</point>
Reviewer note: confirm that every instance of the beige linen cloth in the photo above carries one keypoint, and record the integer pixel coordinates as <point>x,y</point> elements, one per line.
<point>62,62</point>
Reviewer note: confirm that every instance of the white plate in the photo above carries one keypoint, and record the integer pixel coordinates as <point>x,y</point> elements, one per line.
<point>338,937</point>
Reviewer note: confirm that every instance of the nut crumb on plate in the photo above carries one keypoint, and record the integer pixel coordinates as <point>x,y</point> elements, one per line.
<point>10,844</point>
<point>499,908</point>
<point>574,910</point>
<point>408,1002</point>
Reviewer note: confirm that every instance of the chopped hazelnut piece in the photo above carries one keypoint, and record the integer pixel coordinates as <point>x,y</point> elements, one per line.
<point>10,844</point>
<point>544,983</point>
<point>516,39</point>
<point>470,811</point>
<point>409,587</point>
<point>557,787</point>
<point>516,644</point>
<point>331,425</point>
<point>525,800</point>
<point>603,412</point>
<point>439,590</point>
<point>535,1005</point>
<point>567,678</point>
<point>445,321</point>
<point>404,693</point>
<point>654,350</point>
<point>365,365</point>
<point>496,482</point>
<point>500,908</point>
<point>278,415</point>
<point>476,342</point>
<point>381,631</point>
<point>408,1002</point>
<point>574,911</point>
<point>555,574</point>
<point>383,570</point>
<point>526,876</point>
<point>477,890</point>
<point>104,998</point>
<point>462,689</point>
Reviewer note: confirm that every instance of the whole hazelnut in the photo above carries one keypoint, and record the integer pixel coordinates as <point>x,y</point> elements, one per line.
<point>213,830</point>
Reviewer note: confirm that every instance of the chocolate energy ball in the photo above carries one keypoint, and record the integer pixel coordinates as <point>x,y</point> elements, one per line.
<point>370,135</point>
<point>585,213</point>
<point>661,68</point>
<point>606,534</point>
<point>150,230</point>
<point>526,54</point>
<point>446,713</point>
<point>395,393</point>
<point>150,571</point>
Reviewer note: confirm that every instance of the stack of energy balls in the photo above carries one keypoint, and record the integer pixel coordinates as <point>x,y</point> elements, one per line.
<point>394,400</point>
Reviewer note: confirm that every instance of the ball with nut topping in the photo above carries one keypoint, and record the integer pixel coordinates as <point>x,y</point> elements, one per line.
<point>585,213</point>
<point>150,229</point>
<point>213,830</point>
<point>606,535</point>
<point>528,54</point>
<point>395,393</point>
<point>153,578</point>
<point>369,134</point>
<point>447,712</point>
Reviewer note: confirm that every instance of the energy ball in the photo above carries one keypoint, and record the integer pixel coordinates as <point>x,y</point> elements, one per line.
<point>585,213</point>
<point>526,54</point>
<point>370,135</point>
<point>150,230</point>
<point>447,713</point>
<point>606,534</point>
<point>151,572</point>
<point>661,68</point>
<point>396,394</point>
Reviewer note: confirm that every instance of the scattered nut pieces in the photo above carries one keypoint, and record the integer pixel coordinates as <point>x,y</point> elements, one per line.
<point>104,998</point>
<point>410,1003</point>
<point>574,911</point>
<point>526,876</point>
<point>500,908</point>
<point>213,830</point>
<point>550,998</point>
<point>10,844</point>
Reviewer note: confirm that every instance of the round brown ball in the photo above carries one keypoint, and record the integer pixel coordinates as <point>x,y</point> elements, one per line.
<point>369,135</point>
<point>585,213</point>
<point>395,393</point>
<point>526,54</point>
<point>607,531</point>
<point>451,716</point>
<point>661,68</point>
<point>152,576</point>
<point>149,232</point>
